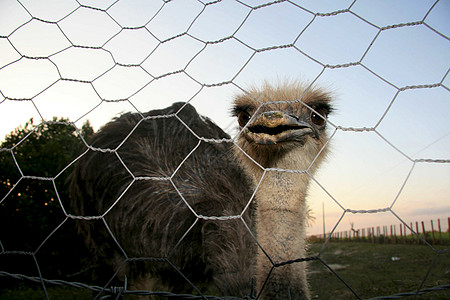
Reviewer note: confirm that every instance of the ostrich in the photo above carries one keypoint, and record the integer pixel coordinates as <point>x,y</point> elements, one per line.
<point>162,189</point>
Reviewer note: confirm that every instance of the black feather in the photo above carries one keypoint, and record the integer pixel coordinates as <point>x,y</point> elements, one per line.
<point>152,201</point>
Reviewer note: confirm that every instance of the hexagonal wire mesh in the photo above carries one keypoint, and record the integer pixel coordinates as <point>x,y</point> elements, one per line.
<point>388,65</point>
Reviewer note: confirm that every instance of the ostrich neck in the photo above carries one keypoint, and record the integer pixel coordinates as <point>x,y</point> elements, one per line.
<point>280,214</point>
<point>280,230</point>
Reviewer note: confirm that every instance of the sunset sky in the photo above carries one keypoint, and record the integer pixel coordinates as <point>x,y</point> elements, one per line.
<point>62,59</point>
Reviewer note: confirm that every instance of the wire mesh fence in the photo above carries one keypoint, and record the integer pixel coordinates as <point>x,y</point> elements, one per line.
<point>127,54</point>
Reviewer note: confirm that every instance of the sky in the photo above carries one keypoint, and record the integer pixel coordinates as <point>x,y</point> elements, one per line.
<point>93,60</point>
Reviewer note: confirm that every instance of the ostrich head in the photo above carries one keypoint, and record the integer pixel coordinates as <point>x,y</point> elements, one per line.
<point>282,126</point>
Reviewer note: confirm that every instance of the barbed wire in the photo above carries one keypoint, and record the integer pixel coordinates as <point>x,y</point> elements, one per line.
<point>117,291</point>
<point>112,291</point>
<point>121,291</point>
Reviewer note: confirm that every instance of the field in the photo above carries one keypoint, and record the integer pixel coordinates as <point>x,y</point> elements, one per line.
<point>371,270</point>
<point>374,270</point>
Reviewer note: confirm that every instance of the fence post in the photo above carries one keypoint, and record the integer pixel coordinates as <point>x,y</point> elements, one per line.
<point>373,234</point>
<point>377,235</point>
<point>417,231</point>
<point>440,232</point>
<point>386,235</point>
<point>381,235</point>
<point>424,232</point>
<point>394,239</point>
<point>432,232</point>
<point>402,239</point>
<point>392,235</point>
<point>404,233</point>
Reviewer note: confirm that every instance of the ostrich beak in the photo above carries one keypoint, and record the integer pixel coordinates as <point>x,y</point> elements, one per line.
<point>275,127</point>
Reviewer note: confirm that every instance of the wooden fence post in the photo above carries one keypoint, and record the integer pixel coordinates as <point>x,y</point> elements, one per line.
<point>373,234</point>
<point>440,232</point>
<point>395,236</point>
<point>417,231</point>
<point>378,234</point>
<point>448,228</point>
<point>411,229</point>
<point>424,232</point>
<point>432,232</point>
<point>388,233</point>
<point>401,232</point>
<point>403,227</point>
<point>386,236</point>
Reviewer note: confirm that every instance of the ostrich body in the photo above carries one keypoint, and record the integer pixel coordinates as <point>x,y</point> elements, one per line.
<point>152,205</point>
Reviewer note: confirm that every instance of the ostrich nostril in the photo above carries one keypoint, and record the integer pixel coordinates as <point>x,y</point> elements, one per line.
<point>273,115</point>
<point>294,117</point>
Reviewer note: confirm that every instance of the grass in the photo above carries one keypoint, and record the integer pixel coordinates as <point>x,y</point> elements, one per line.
<point>37,293</point>
<point>371,270</point>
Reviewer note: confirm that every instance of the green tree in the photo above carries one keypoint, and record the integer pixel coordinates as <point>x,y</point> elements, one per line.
<point>31,159</point>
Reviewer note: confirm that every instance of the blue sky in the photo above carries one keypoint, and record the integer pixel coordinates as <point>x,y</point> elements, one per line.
<point>123,66</point>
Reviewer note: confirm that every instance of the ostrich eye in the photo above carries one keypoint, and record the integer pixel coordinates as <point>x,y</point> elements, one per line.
<point>319,117</point>
<point>243,118</point>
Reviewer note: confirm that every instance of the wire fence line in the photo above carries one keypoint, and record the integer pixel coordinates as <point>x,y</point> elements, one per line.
<point>115,291</point>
